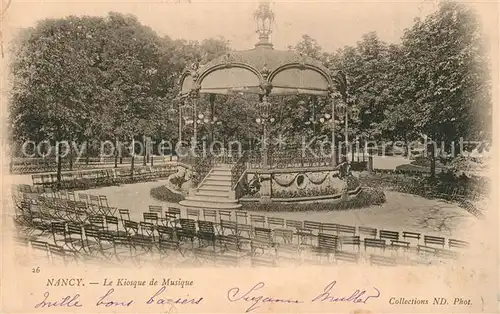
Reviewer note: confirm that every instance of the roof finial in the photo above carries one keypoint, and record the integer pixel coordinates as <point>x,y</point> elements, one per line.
<point>264,17</point>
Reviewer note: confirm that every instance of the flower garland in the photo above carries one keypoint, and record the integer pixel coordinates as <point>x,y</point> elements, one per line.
<point>287,184</point>
<point>316,182</point>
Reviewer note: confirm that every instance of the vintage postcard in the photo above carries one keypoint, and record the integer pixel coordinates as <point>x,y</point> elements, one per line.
<point>249,156</point>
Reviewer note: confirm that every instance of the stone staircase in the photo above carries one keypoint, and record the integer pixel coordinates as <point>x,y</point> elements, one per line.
<point>214,192</point>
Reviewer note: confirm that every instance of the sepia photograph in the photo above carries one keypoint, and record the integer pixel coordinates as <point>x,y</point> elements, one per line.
<point>175,138</point>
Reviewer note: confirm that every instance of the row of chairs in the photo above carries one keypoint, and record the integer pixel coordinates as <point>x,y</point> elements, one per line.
<point>240,225</point>
<point>102,177</point>
<point>140,235</point>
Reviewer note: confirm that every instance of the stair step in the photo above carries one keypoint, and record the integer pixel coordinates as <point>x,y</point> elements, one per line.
<point>203,204</point>
<point>221,172</point>
<point>220,177</point>
<point>207,200</point>
<point>212,193</point>
<point>211,182</point>
<point>217,188</point>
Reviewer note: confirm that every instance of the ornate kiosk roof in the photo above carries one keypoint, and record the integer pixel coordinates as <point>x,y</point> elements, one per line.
<point>261,70</point>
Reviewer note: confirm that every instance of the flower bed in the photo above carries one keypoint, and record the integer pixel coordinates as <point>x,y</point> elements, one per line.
<point>162,193</point>
<point>305,193</point>
<point>365,198</point>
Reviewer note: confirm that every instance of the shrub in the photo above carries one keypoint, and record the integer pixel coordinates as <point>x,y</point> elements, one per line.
<point>306,193</point>
<point>359,165</point>
<point>352,183</point>
<point>162,193</point>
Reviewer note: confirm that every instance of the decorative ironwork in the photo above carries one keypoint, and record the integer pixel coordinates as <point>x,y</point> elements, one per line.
<point>264,17</point>
<point>289,158</point>
<point>238,170</point>
<point>202,168</point>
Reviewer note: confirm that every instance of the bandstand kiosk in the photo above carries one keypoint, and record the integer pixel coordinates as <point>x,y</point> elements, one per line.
<point>266,72</point>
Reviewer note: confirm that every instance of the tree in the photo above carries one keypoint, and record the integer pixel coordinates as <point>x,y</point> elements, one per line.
<point>448,70</point>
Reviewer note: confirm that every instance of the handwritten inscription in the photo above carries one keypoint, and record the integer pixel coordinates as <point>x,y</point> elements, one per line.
<point>254,298</point>
<point>357,296</point>
<point>112,299</point>
<point>107,300</point>
<point>67,301</point>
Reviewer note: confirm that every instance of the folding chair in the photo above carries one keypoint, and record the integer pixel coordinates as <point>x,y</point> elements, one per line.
<point>193,213</point>
<point>243,215</point>
<point>150,217</point>
<point>210,213</point>
<point>258,219</point>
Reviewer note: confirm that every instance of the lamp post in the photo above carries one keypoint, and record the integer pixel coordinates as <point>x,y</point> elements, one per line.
<point>203,119</point>
<point>263,120</point>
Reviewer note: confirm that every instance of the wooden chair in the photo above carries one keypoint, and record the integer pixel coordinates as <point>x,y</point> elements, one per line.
<point>350,240</point>
<point>275,222</point>
<point>263,240</point>
<point>346,257</point>
<point>231,226</point>
<point>263,262</point>
<point>97,221</point>
<point>346,229</point>
<point>367,232</point>
<point>210,213</point>
<point>206,233</point>
<point>426,250</point>
<point>150,217</point>
<point>124,214</point>
<point>225,215</point>
<point>313,225</point>
<point>156,209</point>
<point>187,230</point>
<point>193,213</point>
<point>374,243</point>
<point>458,244</point>
<point>327,245</point>
<point>434,240</point>
<point>258,219</point>
<point>329,228</point>
<point>396,245</point>
<point>389,235</point>
<point>411,235</point>
<point>380,260</point>
<point>241,215</point>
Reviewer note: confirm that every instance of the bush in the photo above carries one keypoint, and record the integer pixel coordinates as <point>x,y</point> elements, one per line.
<point>352,183</point>
<point>162,193</point>
<point>359,166</point>
<point>372,196</point>
<point>306,193</point>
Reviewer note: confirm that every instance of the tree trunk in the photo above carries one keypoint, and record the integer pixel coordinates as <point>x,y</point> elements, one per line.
<point>116,153</point>
<point>144,160</point>
<point>59,163</point>
<point>71,155</point>
<point>87,153</point>
<point>352,154</point>
<point>433,161</point>
<point>132,160</point>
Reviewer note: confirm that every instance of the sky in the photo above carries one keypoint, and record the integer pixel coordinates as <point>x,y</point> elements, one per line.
<point>333,24</point>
